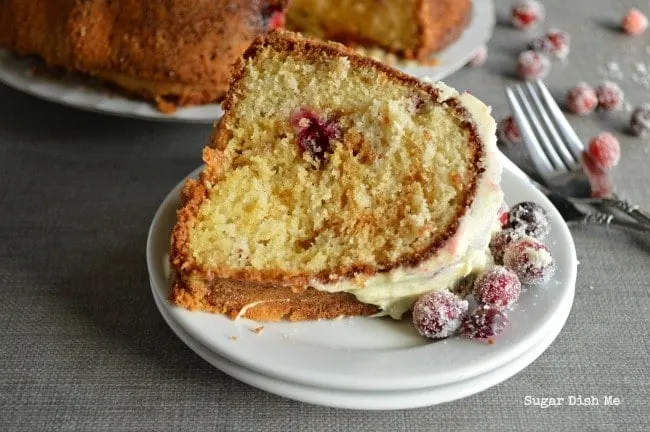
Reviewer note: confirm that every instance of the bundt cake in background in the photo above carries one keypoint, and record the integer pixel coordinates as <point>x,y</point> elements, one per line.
<point>179,52</point>
<point>174,52</point>
<point>410,28</point>
<point>334,185</point>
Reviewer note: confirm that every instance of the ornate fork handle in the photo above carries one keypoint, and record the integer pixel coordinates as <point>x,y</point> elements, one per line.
<point>627,208</point>
<point>608,220</point>
<point>620,205</point>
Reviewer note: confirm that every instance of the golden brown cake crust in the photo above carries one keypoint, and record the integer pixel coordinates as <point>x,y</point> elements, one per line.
<point>175,52</point>
<point>266,302</point>
<point>440,22</point>
<point>203,284</point>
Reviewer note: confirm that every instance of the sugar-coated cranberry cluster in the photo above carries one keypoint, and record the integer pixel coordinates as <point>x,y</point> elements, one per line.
<point>584,99</point>
<point>520,257</point>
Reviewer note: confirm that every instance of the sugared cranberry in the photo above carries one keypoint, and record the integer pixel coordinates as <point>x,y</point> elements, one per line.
<point>315,135</point>
<point>604,151</point>
<point>480,57</point>
<point>502,214</point>
<point>484,323</point>
<point>533,65</point>
<point>509,131</point>
<point>555,43</point>
<point>610,96</point>
<point>497,287</point>
<point>640,120</point>
<point>601,187</point>
<point>274,17</point>
<point>500,241</point>
<point>527,14</point>
<point>530,219</point>
<point>581,99</point>
<point>439,315</point>
<point>277,20</point>
<point>531,260</point>
<point>599,180</point>
<point>634,22</point>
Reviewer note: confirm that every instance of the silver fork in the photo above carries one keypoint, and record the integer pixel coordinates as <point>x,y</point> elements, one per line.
<point>556,150</point>
<point>573,214</point>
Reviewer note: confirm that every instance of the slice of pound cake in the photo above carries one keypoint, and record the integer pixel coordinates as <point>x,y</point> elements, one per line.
<point>334,185</point>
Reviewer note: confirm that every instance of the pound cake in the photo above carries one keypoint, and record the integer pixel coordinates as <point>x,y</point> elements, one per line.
<point>334,185</point>
<point>410,28</point>
<point>173,52</point>
<point>179,52</point>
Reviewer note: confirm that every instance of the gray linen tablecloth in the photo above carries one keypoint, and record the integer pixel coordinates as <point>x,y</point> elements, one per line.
<point>82,346</point>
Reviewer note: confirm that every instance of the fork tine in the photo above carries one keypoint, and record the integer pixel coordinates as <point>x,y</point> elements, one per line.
<point>542,138</point>
<point>556,141</point>
<point>570,137</point>
<point>537,155</point>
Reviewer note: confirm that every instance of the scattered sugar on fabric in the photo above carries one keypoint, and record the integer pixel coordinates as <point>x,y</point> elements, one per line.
<point>641,68</point>
<point>640,75</point>
<point>612,70</point>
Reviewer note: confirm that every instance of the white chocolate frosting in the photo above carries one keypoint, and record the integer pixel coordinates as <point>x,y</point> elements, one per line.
<point>394,292</point>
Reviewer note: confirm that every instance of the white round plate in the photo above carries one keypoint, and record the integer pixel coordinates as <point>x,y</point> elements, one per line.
<point>367,353</point>
<point>379,400</point>
<point>89,94</point>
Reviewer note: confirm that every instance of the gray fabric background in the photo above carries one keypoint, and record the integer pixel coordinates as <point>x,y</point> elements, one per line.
<point>82,346</point>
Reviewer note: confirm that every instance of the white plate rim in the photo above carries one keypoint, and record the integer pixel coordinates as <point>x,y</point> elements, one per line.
<point>360,400</point>
<point>246,354</point>
<point>79,92</point>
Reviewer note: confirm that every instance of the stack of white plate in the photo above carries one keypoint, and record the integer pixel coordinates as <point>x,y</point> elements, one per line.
<point>371,363</point>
